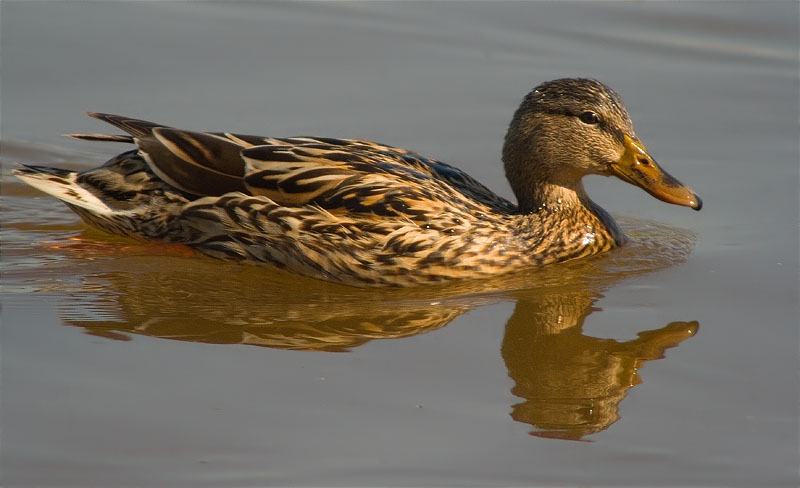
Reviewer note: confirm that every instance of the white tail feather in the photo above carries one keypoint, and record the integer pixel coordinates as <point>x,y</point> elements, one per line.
<point>64,187</point>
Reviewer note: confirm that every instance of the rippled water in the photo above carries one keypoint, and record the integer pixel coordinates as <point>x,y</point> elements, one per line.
<point>675,358</point>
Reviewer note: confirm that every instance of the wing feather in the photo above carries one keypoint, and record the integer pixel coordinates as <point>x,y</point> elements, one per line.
<point>358,176</point>
<point>195,162</point>
<point>356,180</point>
<point>335,174</point>
<point>290,175</point>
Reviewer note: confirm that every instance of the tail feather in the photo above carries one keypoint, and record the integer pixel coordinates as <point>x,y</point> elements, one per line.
<point>63,185</point>
<point>134,127</point>
<point>103,137</point>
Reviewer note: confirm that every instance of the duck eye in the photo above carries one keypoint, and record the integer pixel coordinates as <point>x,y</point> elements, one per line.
<point>589,118</point>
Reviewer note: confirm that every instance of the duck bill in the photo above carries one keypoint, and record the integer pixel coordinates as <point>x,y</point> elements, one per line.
<point>638,168</point>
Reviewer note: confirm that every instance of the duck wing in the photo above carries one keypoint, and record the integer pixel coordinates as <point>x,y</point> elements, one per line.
<point>362,177</point>
<point>199,163</point>
<point>358,175</point>
<point>344,179</point>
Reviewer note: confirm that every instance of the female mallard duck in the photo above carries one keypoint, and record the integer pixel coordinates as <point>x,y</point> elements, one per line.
<point>362,213</point>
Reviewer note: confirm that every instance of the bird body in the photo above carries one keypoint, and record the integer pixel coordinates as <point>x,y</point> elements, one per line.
<point>367,214</point>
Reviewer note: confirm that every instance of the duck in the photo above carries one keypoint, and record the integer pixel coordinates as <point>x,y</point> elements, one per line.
<point>366,214</point>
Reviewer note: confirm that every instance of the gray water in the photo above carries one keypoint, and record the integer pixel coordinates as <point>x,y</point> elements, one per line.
<point>674,360</point>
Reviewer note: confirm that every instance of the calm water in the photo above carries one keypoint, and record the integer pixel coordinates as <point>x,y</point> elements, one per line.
<point>674,359</point>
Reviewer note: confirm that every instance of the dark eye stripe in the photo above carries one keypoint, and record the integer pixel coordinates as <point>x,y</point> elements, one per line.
<point>617,133</point>
<point>570,113</point>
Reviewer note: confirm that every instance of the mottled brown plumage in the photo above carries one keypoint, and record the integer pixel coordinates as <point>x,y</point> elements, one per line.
<point>362,213</point>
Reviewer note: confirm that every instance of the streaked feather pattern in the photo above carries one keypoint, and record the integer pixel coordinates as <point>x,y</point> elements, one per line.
<point>344,210</point>
<point>353,211</point>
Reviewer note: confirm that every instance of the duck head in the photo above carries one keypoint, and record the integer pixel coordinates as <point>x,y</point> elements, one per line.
<point>568,128</point>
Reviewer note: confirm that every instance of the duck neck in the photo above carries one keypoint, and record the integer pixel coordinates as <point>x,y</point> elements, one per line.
<point>561,222</point>
<point>555,197</point>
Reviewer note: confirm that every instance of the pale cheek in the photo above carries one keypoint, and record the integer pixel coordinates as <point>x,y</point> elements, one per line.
<point>605,157</point>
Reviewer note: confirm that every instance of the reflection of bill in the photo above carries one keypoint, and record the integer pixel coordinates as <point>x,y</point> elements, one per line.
<point>571,383</point>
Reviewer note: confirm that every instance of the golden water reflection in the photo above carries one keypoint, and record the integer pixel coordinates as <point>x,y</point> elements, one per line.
<point>570,384</point>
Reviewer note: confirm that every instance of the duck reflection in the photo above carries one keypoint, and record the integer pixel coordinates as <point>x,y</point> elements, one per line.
<point>571,384</point>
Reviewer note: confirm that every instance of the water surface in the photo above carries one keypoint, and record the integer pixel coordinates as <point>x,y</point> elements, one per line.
<point>672,361</point>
